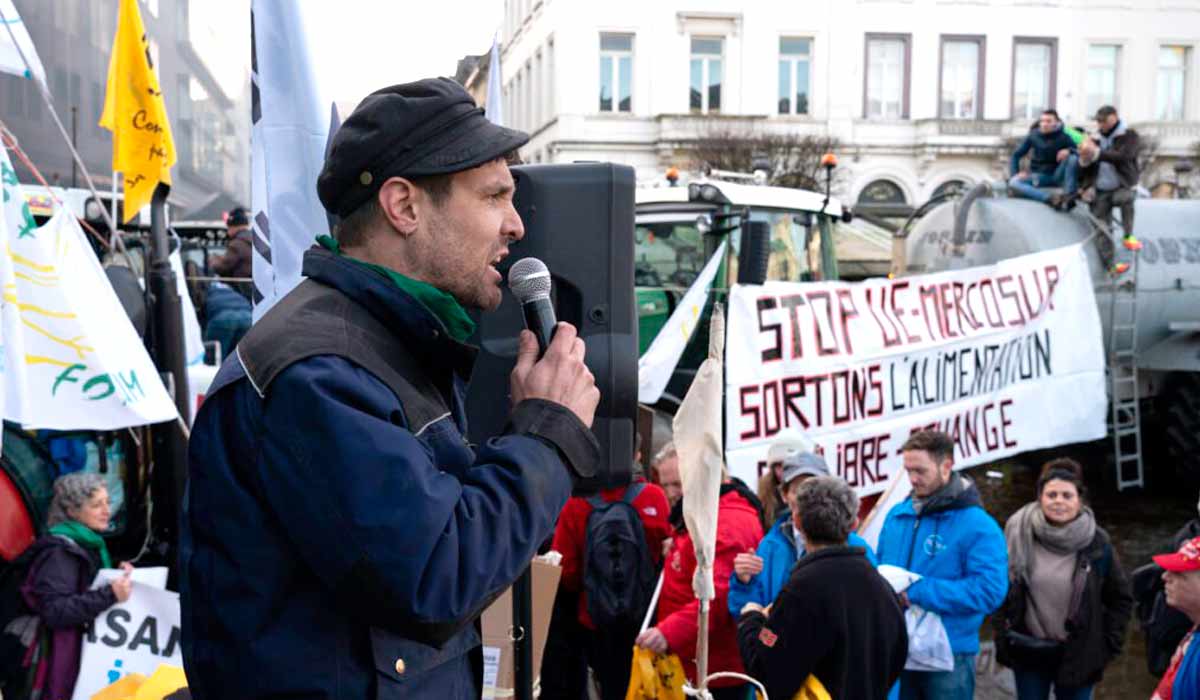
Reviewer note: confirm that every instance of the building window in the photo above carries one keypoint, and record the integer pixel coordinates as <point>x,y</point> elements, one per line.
<point>539,102</point>
<point>518,116</point>
<point>530,88</point>
<point>961,78</point>
<point>795,57</point>
<point>706,71</point>
<point>616,72</point>
<point>16,96</point>
<point>885,90</point>
<point>947,188</point>
<point>1172,82</point>
<point>549,91</point>
<point>1103,61</point>
<point>1034,77</point>
<point>882,193</point>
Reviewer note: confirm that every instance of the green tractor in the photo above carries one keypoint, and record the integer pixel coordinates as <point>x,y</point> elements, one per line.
<point>774,234</point>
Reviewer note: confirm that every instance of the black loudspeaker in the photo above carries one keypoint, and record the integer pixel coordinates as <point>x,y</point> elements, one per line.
<point>579,221</point>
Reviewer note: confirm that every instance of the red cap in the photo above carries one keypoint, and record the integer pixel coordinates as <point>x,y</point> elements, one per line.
<point>1186,559</point>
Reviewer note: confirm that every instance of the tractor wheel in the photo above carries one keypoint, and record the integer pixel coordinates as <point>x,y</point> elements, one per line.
<point>1179,413</point>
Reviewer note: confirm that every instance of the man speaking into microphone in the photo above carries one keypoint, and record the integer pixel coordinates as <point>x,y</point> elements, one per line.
<point>340,535</point>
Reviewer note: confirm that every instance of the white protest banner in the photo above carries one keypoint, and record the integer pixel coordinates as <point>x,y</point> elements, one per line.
<point>77,362</point>
<point>1005,358</point>
<point>131,637</point>
<point>656,366</point>
<point>17,55</point>
<point>291,122</point>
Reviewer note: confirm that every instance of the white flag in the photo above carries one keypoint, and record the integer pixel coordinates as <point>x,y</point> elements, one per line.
<point>701,459</point>
<point>494,110</point>
<point>291,125</point>
<point>17,55</point>
<point>73,360</point>
<point>193,337</point>
<point>658,363</point>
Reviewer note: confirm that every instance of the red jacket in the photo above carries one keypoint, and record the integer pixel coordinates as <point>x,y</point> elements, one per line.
<point>570,536</point>
<point>738,530</point>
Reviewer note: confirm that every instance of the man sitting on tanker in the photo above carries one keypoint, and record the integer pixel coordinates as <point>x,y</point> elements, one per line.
<point>1052,163</point>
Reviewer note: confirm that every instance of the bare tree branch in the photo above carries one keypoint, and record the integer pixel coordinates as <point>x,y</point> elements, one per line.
<point>791,160</point>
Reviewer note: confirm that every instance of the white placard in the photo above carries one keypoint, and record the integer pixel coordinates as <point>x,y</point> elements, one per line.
<point>131,637</point>
<point>1005,358</point>
<point>153,576</point>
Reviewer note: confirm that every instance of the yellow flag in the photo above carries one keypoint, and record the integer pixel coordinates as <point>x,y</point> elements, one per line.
<point>143,149</point>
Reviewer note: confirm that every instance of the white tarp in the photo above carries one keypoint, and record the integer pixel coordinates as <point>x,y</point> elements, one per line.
<point>16,48</point>
<point>290,125</point>
<point>131,637</point>
<point>1005,358</point>
<point>72,358</point>
<point>656,366</point>
<point>494,109</point>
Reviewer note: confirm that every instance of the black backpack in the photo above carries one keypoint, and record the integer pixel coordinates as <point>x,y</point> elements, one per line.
<point>618,574</point>
<point>12,606</point>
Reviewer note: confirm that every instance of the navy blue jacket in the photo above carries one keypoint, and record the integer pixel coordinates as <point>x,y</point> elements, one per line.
<point>1045,147</point>
<point>324,541</point>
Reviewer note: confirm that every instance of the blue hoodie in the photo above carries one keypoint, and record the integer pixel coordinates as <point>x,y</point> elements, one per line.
<point>960,551</point>
<point>779,555</point>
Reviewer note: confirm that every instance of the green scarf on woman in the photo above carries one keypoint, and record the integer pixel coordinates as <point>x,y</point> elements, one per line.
<point>85,537</point>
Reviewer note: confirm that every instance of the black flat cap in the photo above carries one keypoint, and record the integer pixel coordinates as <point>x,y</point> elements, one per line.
<point>430,127</point>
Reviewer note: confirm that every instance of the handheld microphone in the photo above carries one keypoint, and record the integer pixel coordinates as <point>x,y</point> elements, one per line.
<point>529,280</point>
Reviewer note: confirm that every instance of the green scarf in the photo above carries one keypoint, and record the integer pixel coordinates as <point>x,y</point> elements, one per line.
<point>442,305</point>
<point>85,537</point>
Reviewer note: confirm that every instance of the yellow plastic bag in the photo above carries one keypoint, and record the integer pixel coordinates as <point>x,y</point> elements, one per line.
<point>655,676</point>
<point>813,690</point>
<point>134,686</point>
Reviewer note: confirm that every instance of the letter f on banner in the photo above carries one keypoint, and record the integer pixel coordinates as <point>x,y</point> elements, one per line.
<point>143,149</point>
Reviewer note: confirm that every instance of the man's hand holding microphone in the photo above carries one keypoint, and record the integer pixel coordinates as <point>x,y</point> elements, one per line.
<point>559,376</point>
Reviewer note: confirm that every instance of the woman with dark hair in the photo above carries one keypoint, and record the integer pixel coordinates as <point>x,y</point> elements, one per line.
<point>63,564</point>
<point>1068,600</point>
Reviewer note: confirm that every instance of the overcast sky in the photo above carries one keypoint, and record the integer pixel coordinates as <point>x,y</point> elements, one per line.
<point>359,46</point>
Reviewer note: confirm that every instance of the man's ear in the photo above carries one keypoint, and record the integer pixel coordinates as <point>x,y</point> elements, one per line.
<point>397,199</point>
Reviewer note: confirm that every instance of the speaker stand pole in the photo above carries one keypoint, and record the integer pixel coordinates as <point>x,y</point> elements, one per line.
<point>522,622</point>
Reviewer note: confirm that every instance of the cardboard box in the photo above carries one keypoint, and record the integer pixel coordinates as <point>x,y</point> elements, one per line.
<point>497,621</point>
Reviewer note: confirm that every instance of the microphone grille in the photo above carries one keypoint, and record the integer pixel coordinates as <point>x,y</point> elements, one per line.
<point>529,279</point>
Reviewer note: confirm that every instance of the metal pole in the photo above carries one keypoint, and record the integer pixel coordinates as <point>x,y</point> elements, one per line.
<point>74,142</point>
<point>522,617</point>
<point>170,443</point>
<point>702,648</point>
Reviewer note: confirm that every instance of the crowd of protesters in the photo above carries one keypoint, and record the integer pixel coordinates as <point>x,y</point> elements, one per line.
<point>811,608</point>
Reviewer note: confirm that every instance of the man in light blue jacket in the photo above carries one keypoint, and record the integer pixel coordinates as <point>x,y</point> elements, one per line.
<point>942,533</point>
<point>759,576</point>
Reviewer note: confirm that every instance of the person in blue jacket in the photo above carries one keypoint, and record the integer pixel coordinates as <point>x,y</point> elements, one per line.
<point>942,533</point>
<point>759,576</point>
<point>340,535</point>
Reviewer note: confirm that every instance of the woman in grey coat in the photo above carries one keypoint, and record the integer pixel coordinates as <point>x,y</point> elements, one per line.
<point>1069,600</point>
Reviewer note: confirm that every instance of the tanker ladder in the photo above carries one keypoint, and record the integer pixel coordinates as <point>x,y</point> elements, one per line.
<point>1126,416</point>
